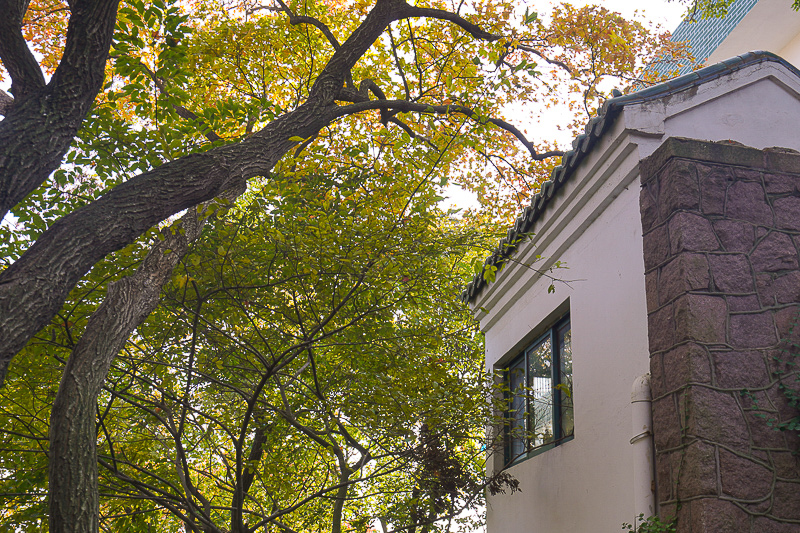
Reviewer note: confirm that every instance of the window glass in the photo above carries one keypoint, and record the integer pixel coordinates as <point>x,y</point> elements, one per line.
<point>517,414</point>
<point>540,393</point>
<point>565,388</point>
<point>539,382</point>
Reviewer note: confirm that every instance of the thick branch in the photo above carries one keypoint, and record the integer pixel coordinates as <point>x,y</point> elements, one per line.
<point>37,131</point>
<point>5,102</point>
<point>26,76</point>
<point>76,242</point>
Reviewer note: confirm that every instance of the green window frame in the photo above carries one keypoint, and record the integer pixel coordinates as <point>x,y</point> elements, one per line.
<point>538,384</point>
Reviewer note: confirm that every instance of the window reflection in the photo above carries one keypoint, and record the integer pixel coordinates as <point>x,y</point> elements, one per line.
<point>539,382</point>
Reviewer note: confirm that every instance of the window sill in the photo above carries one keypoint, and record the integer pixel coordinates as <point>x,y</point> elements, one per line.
<point>533,452</point>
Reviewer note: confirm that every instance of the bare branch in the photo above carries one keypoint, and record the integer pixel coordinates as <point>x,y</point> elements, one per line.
<point>473,29</point>
<point>182,112</point>
<point>412,107</point>
<point>39,129</point>
<point>304,19</point>
<point>540,55</point>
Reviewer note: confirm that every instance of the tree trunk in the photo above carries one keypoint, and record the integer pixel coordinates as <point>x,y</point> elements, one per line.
<point>73,489</point>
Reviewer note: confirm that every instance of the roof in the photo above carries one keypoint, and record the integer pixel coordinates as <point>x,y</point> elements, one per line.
<point>584,143</point>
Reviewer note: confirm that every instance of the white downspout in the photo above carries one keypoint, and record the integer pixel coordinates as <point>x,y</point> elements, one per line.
<point>644,500</point>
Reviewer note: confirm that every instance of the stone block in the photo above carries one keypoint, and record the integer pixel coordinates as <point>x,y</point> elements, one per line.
<point>752,330</point>
<point>776,289</point>
<point>666,424</point>
<point>747,174</point>
<point>716,416</point>
<point>786,463</point>
<point>740,370</point>
<point>648,208</point>
<point>787,288</point>
<point>696,471</point>
<point>731,273</point>
<point>787,213</point>
<point>735,235</point>
<point>714,181</point>
<point>710,515</point>
<point>786,500</point>
<point>762,434</point>
<point>679,189</point>
<point>685,272</point>
<point>781,183</point>
<point>781,159</point>
<point>651,290</point>
<point>656,247</point>
<point>743,478</point>
<point>774,253</point>
<point>787,321</point>
<point>785,411</point>
<point>766,296</point>
<point>763,524</point>
<point>743,303</point>
<point>686,363</point>
<point>666,488</point>
<point>747,201</point>
<point>691,233</point>
<point>658,383</point>
<point>782,359</point>
<point>700,318</point>
<point>661,329</point>
<point>667,512</point>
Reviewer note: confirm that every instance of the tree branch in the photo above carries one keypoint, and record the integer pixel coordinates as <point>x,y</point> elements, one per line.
<point>73,490</point>
<point>413,107</point>
<point>6,102</point>
<point>26,75</point>
<point>40,126</point>
<point>303,19</point>
<point>473,29</point>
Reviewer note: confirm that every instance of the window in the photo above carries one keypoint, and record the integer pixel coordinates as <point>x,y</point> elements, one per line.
<point>539,394</point>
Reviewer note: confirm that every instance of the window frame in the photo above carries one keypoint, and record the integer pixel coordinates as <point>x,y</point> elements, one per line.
<point>557,411</point>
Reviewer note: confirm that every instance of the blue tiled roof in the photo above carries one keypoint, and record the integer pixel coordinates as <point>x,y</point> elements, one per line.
<point>705,35</point>
<point>584,143</point>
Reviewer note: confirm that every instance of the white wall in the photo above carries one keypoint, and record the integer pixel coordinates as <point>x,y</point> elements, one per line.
<point>585,484</point>
<point>772,26</point>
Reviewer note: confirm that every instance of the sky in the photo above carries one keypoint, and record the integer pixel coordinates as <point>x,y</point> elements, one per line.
<point>667,14</point>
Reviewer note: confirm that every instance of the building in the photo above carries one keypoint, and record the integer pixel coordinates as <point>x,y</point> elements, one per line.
<point>677,214</point>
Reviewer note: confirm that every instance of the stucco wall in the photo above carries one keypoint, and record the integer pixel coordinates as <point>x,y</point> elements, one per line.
<point>584,484</point>
<point>721,238</point>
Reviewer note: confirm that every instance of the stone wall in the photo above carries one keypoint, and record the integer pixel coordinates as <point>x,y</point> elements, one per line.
<point>721,229</point>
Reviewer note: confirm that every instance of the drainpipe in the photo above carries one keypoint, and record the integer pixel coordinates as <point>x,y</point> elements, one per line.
<point>644,501</point>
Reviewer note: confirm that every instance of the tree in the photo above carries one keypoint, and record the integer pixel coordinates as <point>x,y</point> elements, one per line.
<point>276,356</point>
<point>191,112</point>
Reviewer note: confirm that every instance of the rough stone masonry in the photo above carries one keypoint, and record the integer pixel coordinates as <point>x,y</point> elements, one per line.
<point>721,242</point>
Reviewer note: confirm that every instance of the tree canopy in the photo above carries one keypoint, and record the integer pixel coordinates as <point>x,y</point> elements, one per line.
<point>228,288</point>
